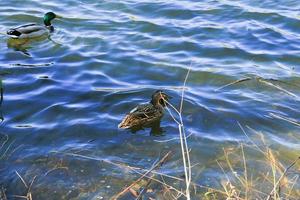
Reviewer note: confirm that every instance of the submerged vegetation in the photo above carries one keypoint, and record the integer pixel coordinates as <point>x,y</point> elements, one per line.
<point>255,171</point>
<point>250,171</point>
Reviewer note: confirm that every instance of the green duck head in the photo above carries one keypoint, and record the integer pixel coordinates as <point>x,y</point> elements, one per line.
<point>159,98</point>
<point>48,17</point>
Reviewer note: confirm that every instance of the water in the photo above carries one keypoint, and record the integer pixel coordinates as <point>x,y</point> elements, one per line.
<point>68,94</point>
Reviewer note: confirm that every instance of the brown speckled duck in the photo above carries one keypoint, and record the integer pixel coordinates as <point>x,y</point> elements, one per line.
<point>146,114</point>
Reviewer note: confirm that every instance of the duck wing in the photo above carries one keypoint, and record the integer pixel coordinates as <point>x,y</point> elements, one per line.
<point>139,115</point>
<point>143,111</point>
<point>25,29</point>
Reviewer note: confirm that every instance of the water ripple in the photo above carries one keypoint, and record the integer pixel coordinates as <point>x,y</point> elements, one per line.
<point>69,92</point>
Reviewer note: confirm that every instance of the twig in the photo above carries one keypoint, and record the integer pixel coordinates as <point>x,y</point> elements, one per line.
<point>183,140</point>
<point>262,80</point>
<point>185,160</point>
<point>175,138</point>
<point>145,188</point>
<point>283,82</point>
<point>138,197</point>
<point>277,87</point>
<point>183,90</point>
<point>158,181</point>
<point>293,121</point>
<point>183,144</point>
<point>293,185</point>
<point>5,141</point>
<point>245,171</point>
<point>2,194</point>
<point>158,164</point>
<point>22,179</point>
<point>13,151</point>
<point>177,122</point>
<point>281,177</point>
<point>29,188</point>
<point>51,170</point>
<point>3,155</point>
<point>28,195</point>
<point>234,82</point>
<point>250,139</point>
<point>285,67</point>
<point>20,196</point>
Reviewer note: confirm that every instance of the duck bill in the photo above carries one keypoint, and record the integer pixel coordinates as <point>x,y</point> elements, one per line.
<point>58,17</point>
<point>122,126</point>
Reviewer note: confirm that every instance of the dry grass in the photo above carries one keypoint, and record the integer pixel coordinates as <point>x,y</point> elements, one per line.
<point>267,81</point>
<point>28,187</point>
<point>3,194</point>
<point>185,152</point>
<point>264,178</point>
<point>154,166</point>
<point>5,146</point>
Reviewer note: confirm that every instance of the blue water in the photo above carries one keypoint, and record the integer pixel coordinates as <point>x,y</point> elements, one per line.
<point>68,94</point>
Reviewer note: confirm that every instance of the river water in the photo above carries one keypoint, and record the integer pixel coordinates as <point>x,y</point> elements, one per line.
<point>67,94</point>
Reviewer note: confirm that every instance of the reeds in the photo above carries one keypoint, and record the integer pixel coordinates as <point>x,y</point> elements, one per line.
<point>274,181</point>
<point>185,152</point>
<point>28,187</point>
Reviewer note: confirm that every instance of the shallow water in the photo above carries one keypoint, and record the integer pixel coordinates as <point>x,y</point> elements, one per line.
<point>68,93</point>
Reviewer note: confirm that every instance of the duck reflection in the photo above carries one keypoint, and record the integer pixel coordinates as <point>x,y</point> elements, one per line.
<point>147,115</point>
<point>156,129</point>
<point>23,45</point>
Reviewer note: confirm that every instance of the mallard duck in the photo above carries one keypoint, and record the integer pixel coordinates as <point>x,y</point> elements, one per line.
<point>146,114</point>
<point>34,30</point>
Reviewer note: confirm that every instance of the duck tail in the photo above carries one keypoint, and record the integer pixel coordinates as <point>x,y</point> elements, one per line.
<point>124,124</point>
<point>13,33</point>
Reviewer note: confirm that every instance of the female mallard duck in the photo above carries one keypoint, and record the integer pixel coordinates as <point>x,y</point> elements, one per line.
<point>146,114</point>
<point>33,30</point>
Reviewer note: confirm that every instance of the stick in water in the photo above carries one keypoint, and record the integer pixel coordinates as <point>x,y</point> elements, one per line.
<point>158,164</point>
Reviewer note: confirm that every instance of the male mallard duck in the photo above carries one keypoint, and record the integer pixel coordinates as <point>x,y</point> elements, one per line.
<point>146,114</point>
<point>33,30</point>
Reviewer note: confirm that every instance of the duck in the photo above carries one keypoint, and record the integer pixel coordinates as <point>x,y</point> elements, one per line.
<point>144,115</point>
<point>34,30</point>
